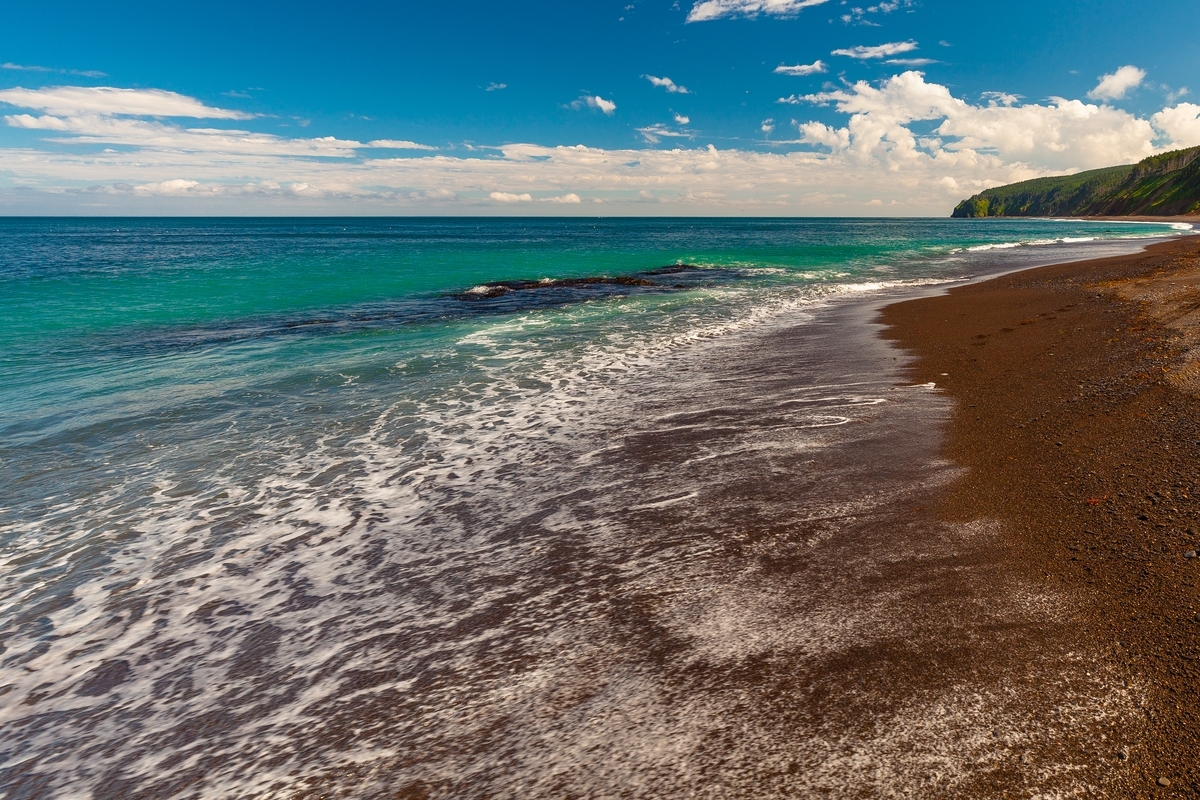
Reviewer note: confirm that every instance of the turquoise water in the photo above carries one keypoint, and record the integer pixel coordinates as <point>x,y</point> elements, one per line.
<point>96,312</point>
<point>257,470</point>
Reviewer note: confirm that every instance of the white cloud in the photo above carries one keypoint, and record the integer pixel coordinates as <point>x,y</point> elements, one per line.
<point>863,52</point>
<point>818,133</point>
<point>858,14</point>
<point>95,129</point>
<point>1117,84</point>
<point>801,70</point>
<point>903,141</point>
<point>595,102</point>
<point>85,73</point>
<point>177,186</point>
<point>1062,135</point>
<point>495,87</point>
<point>1000,98</point>
<point>680,119</point>
<point>912,62</point>
<point>399,144</point>
<point>668,84</point>
<point>1180,124</point>
<point>651,134</point>
<point>715,9</point>
<point>768,125</point>
<point>108,101</point>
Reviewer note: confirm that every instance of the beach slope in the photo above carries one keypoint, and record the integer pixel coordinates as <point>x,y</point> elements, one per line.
<point>1077,419</point>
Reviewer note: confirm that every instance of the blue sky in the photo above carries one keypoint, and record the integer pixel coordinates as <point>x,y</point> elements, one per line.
<point>636,107</point>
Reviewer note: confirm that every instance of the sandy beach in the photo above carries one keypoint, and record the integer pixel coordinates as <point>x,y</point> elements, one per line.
<point>1076,395</point>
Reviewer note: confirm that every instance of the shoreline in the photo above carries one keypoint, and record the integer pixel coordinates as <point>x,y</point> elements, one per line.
<point>1189,218</point>
<point>1076,418</point>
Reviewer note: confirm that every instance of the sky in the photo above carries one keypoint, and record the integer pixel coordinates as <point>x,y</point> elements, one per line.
<point>630,107</point>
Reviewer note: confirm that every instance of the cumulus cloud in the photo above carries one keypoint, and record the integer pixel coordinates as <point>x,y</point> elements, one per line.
<point>1000,98</point>
<point>1116,85</point>
<point>668,84</point>
<point>570,199</point>
<point>1180,124</point>
<point>510,197</point>
<point>680,119</point>
<point>801,70</point>
<point>715,9</point>
<point>595,102</point>
<point>108,101</point>
<point>863,52</point>
<point>822,135</point>
<point>1060,135</point>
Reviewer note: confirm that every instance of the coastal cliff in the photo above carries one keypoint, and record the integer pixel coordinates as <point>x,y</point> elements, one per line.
<point>1162,185</point>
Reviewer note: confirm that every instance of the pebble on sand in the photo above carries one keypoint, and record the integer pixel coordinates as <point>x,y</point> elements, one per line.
<point>1164,782</point>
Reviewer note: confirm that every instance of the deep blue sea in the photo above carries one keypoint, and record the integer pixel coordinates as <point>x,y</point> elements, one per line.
<point>444,507</point>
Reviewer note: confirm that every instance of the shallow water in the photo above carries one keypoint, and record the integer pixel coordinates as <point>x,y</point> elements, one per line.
<point>288,508</point>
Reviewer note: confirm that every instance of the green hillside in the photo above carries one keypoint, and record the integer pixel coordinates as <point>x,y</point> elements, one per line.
<point>1163,185</point>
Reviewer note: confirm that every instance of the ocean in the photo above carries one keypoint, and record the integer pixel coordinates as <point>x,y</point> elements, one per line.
<point>479,507</point>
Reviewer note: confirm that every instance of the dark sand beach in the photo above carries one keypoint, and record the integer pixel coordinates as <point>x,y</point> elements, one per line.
<point>1077,420</point>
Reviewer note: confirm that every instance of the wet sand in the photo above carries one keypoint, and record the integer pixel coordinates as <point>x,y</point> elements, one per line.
<point>1076,418</point>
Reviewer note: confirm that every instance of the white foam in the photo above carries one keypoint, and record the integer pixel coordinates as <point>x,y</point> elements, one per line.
<point>382,511</point>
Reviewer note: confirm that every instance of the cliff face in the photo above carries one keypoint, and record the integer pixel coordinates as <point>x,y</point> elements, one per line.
<point>1163,185</point>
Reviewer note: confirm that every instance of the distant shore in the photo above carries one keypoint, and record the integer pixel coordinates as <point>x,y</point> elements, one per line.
<point>1193,219</point>
<point>1190,218</point>
<point>1077,418</point>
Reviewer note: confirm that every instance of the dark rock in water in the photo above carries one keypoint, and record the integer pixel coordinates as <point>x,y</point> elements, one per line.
<point>673,269</point>
<point>103,678</point>
<point>489,291</point>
